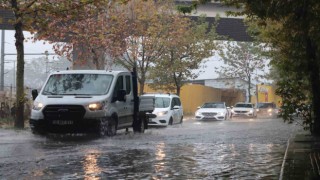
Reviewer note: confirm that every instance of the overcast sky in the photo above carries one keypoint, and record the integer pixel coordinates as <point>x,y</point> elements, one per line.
<point>29,47</point>
<point>39,47</point>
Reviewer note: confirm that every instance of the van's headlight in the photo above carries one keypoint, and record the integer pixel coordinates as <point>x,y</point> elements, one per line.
<point>95,106</point>
<point>37,106</point>
<point>161,113</point>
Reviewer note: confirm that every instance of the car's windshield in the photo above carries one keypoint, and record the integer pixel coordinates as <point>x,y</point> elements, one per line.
<point>213,105</point>
<point>244,105</point>
<point>162,102</point>
<point>78,84</point>
<point>265,105</point>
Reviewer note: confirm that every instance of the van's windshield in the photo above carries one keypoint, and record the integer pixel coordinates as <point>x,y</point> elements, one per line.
<point>162,102</point>
<point>78,84</point>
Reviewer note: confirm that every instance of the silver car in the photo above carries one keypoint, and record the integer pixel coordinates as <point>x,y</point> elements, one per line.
<point>212,111</point>
<point>243,110</point>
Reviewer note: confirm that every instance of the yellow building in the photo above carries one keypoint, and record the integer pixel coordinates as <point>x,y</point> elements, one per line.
<point>266,93</point>
<point>194,95</point>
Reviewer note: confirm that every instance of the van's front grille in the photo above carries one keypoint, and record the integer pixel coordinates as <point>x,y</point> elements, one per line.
<point>64,112</point>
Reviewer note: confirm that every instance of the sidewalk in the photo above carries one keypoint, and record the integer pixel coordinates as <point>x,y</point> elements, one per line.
<point>302,158</point>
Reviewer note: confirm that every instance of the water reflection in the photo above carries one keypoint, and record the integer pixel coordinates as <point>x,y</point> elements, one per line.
<point>160,155</point>
<point>90,165</point>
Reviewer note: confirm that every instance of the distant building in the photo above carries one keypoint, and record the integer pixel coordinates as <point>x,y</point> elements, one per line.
<point>228,84</point>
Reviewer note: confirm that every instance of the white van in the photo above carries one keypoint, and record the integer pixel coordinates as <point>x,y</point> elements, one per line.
<point>168,109</point>
<point>81,101</point>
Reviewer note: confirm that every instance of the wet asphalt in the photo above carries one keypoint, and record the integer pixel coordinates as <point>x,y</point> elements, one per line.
<point>240,148</point>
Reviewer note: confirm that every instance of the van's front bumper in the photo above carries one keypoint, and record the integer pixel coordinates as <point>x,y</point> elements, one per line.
<point>64,126</point>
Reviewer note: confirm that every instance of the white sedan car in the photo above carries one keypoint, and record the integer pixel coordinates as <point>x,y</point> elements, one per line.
<point>212,111</point>
<point>243,110</point>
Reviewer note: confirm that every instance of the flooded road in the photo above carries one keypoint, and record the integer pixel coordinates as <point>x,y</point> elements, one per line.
<point>232,149</point>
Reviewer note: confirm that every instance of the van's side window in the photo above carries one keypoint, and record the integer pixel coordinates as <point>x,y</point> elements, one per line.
<point>128,84</point>
<point>119,86</point>
<point>178,102</point>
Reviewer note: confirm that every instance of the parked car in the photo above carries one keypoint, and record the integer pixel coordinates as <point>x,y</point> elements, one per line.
<point>267,109</point>
<point>168,110</point>
<point>212,111</point>
<point>243,110</point>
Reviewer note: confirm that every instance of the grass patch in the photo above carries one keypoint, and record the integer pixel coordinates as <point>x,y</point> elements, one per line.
<point>6,122</point>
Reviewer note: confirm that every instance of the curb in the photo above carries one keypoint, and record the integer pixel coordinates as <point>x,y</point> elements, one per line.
<point>284,160</point>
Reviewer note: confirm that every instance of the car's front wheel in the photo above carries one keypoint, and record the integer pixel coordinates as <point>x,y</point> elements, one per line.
<point>170,121</point>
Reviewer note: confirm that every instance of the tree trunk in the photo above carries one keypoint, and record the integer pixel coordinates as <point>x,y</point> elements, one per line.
<point>249,88</point>
<point>20,99</point>
<point>315,84</point>
<point>178,89</point>
<point>141,88</point>
<point>141,80</point>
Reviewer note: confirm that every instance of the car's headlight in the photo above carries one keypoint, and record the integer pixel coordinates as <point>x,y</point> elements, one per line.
<point>161,113</point>
<point>251,111</point>
<point>232,111</point>
<point>220,113</point>
<point>269,110</point>
<point>95,106</point>
<point>197,113</point>
<point>37,106</point>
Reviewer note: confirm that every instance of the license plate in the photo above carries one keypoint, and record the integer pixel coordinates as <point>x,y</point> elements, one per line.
<point>62,122</point>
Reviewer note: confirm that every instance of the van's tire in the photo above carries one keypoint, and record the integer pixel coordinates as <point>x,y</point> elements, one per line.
<point>102,127</point>
<point>141,123</point>
<point>112,126</point>
<point>142,126</point>
<point>37,129</point>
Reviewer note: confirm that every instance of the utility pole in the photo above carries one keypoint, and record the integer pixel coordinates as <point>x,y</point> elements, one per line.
<point>2,61</point>
<point>3,54</point>
<point>47,54</point>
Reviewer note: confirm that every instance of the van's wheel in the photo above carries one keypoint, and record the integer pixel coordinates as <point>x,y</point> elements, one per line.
<point>142,127</point>
<point>102,127</point>
<point>37,131</point>
<point>171,121</point>
<point>112,127</point>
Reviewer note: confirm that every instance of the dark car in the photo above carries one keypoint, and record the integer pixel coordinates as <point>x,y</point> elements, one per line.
<point>267,109</point>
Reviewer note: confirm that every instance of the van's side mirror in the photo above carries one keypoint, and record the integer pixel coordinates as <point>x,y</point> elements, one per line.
<point>34,93</point>
<point>121,95</point>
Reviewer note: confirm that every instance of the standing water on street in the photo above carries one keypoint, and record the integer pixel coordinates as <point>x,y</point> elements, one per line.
<point>232,149</point>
